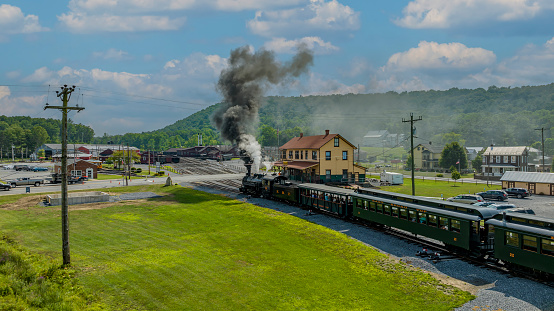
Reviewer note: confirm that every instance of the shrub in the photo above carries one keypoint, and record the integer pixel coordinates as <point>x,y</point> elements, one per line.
<point>139,170</point>
<point>133,169</point>
<point>440,175</point>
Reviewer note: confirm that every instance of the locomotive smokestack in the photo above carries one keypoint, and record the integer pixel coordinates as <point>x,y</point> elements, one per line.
<point>242,85</point>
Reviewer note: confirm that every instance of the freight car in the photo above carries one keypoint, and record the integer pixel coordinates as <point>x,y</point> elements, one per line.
<point>515,239</point>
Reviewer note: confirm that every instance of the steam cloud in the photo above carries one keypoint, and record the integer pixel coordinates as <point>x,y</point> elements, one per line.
<point>242,85</point>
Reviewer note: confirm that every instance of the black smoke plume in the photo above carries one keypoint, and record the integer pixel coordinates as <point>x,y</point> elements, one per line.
<point>243,84</point>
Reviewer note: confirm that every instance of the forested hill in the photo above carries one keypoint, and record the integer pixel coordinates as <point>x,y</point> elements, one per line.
<point>505,116</point>
<point>29,133</point>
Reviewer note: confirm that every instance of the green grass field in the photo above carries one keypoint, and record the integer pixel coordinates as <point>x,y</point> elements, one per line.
<point>190,250</point>
<point>432,188</point>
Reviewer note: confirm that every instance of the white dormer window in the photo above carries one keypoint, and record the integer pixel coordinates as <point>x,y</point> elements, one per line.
<point>505,159</point>
<point>497,159</point>
<point>514,159</point>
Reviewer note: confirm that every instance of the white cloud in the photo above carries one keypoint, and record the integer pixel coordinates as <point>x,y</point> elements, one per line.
<point>112,54</point>
<point>181,87</point>
<point>432,55</point>
<point>13,21</point>
<point>319,15</point>
<point>443,66</point>
<point>83,23</point>
<point>315,44</point>
<point>452,13</point>
<point>129,6</point>
<point>532,65</point>
<point>240,5</point>
<point>144,6</point>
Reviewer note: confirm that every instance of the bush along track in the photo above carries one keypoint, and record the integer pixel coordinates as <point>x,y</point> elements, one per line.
<point>32,282</point>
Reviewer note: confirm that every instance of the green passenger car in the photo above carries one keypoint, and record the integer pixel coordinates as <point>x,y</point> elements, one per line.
<point>327,198</point>
<point>524,240</point>
<point>456,229</point>
<point>285,192</point>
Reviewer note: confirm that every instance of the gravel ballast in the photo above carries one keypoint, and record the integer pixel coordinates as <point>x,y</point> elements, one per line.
<point>494,290</point>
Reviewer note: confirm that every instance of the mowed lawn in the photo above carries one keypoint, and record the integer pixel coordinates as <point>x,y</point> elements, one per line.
<point>190,250</point>
<point>431,188</point>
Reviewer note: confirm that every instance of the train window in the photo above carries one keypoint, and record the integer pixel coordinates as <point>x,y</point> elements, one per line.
<point>387,209</point>
<point>517,219</point>
<point>443,221</point>
<point>395,211</point>
<point>358,203</point>
<point>366,203</point>
<point>536,223</point>
<point>372,206</point>
<point>547,247</point>
<point>380,208</point>
<point>530,243</point>
<point>422,218</point>
<point>403,213</point>
<point>512,239</point>
<point>432,220</point>
<point>455,225</point>
<point>413,216</point>
<point>463,209</point>
<point>491,230</point>
<point>449,207</point>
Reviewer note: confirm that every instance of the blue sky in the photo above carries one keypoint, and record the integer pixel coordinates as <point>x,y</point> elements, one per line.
<point>142,65</point>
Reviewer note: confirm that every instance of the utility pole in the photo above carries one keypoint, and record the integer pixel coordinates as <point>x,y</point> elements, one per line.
<point>542,142</point>
<point>412,133</point>
<point>65,95</point>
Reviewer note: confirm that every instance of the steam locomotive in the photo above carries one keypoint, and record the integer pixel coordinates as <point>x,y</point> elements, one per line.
<point>521,241</point>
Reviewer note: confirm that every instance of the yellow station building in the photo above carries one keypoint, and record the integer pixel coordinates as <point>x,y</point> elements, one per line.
<point>320,159</point>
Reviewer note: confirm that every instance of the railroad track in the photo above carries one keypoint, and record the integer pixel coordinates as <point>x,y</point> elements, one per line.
<point>225,185</point>
<point>192,166</point>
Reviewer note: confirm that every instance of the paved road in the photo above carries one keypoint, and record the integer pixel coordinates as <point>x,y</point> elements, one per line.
<point>542,205</point>
<point>99,184</point>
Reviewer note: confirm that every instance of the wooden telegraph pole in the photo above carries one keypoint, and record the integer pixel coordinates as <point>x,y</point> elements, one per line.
<point>412,133</point>
<point>65,95</point>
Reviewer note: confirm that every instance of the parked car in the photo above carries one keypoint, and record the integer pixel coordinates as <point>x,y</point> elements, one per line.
<point>26,181</point>
<point>40,169</point>
<point>5,186</point>
<point>517,192</point>
<point>20,167</point>
<point>466,198</point>
<point>502,206</point>
<point>8,167</point>
<point>483,204</point>
<point>499,195</point>
<point>505,207</point>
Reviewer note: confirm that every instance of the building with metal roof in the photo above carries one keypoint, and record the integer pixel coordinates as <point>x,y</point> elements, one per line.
<point>499,160</point>
<point>536,183</point>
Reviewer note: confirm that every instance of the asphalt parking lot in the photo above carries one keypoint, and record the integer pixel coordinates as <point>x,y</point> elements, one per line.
<point>542,205</point>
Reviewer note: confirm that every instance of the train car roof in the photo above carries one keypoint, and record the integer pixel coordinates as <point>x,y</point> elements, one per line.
<point>520,227</point>
<point>434,210</point>
<point>415,197</point>
<point>329,189</point>
<point>525,216</point>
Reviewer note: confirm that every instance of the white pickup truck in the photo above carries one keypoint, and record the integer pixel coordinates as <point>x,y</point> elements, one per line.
<point>24,181</point>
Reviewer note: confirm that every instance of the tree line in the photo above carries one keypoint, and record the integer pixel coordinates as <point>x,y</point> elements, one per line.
<point>503,116</point>
<point>20,136</point>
